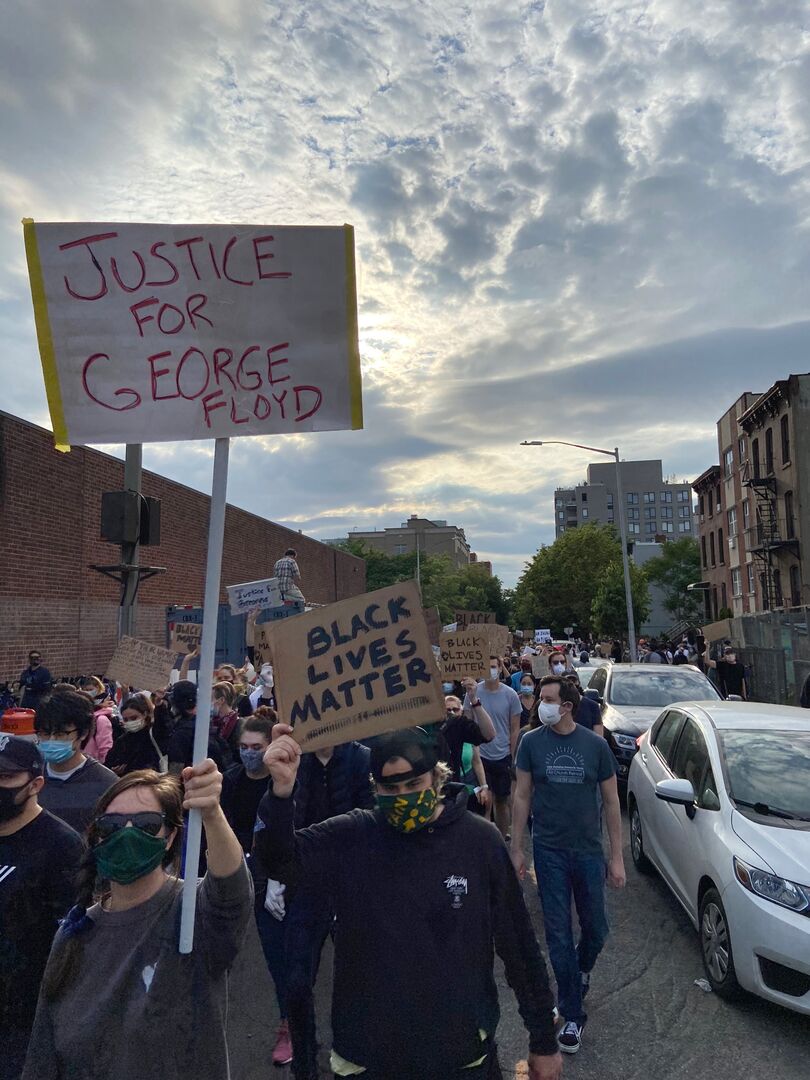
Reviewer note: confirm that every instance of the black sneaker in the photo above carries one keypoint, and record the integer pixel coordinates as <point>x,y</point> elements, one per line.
<point>586,983</point>
<point>570,1038</point>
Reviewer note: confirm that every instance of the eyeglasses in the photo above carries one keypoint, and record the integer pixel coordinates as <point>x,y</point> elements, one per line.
<point>148,821</point>
<point>58,735</point>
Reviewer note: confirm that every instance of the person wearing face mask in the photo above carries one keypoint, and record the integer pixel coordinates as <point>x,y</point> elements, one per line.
<point>137,748</point>
<point>180,750</point>
<point>560,769</point>
<point>559,663</point>
<point>118,999</point>
<point>39,858</point>
<point>105,716</point>
<point>35,681</point>
<point>503,706</point>
<point>526,692</point>
<point>730,673</point>
<point>73,781</point>
<point>423,891</point>
<point>524,669</point>
<point>225,719</point>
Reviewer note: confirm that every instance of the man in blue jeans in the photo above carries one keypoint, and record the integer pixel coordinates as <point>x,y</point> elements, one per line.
<point>561,767</point>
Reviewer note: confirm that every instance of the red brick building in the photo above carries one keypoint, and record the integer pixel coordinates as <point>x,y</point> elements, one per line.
<point>51,514</point>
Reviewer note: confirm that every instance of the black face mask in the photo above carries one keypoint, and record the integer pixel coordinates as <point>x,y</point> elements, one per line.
<point>9,809</point>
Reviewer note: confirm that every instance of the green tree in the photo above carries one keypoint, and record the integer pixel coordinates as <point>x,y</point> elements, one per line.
<point>609,607</point>
<point>677,566</point>
<point>558,586</point>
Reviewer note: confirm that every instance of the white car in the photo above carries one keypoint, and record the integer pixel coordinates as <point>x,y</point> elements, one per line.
<point>719,803</point>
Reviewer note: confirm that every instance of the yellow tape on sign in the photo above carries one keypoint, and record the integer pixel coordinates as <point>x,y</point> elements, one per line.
<point>44,336</point>
<point>355,381</point>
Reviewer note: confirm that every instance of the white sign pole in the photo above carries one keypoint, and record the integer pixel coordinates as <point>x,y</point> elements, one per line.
<point>205,679</point>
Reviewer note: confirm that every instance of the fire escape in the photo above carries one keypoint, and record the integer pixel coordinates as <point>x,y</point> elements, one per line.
<point>768,535</point>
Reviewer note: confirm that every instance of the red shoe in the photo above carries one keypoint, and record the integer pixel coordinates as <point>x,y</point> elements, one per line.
<point>282,1052</point>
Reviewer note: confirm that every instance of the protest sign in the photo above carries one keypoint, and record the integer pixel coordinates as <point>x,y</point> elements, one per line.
<point>154,333</point>
<point>497,636</point>
<point>540,666</point>
<point>466,618</point>
<point>464,654</point>
<point>186,637</point>
<point>254,594</point>
<point>360,667</point>
<point>542,637</point>
<point>140,664</point>
<point>433,624</point>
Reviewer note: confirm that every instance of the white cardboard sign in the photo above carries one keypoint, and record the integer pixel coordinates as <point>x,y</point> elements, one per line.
<point>254,594</point>
<point>542,637</point>
<point>153,333</point>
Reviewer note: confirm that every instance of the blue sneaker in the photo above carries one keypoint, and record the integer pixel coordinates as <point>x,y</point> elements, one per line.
<point>570,1038</point>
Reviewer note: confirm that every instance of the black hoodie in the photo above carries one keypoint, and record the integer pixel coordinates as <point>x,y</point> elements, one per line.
<point>416,914</point>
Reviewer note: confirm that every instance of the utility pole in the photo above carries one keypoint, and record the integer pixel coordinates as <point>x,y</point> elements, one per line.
<point>130,553</point>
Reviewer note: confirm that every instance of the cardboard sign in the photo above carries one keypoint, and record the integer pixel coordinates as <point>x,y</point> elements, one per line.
<point>254,594</point>
<point>466,618</point>
<point>542,637</point>
<point>433,624</point>
<point>186,637</point>
<point>464,655</point>
<point>497,636</point>
<point>139,664</point>
<point>155,333</point>
<point>357,668</point>
<point>540,666</point>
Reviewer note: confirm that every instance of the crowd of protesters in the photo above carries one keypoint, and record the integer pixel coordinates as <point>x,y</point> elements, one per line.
<point>387,846</point>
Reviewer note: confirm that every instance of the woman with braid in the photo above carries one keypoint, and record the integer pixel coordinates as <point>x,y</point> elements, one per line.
<point>117,999</point>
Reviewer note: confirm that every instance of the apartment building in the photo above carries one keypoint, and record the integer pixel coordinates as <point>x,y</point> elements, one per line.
<point>655,509</point>
<point>417,534</point>
<point>754,507</point>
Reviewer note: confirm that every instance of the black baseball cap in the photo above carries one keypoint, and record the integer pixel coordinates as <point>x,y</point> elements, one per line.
<point>20,755</point>
<point>184,694</point>
<point>412,744</point>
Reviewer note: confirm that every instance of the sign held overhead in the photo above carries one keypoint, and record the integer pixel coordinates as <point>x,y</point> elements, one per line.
<point>140,664</point>
<point>254,594</point>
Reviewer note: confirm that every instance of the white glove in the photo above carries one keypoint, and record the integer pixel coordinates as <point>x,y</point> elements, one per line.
<point>250,673</point>
<point>274,899</point>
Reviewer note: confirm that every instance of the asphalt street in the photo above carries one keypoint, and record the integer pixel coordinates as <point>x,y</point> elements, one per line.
<point>647,1018</point>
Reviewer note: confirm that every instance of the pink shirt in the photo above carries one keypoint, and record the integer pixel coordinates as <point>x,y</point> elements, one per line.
<point>100,744</point>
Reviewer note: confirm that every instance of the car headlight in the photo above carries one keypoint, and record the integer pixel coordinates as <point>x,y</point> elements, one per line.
<point>779,890</point>
<point>624,742</point>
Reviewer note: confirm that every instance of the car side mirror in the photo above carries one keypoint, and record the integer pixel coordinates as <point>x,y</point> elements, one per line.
<point>734,697</point>
<point>679,792</point>
<point>589,692</point>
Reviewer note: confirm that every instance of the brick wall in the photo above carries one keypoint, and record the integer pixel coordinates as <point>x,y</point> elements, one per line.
<point>51,513</point>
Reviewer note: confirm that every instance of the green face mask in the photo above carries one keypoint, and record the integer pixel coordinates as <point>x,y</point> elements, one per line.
<point>129,854</point>
<point>411,812</point>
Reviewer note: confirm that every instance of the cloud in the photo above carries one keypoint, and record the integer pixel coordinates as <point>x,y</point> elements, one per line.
<point>586,219</point>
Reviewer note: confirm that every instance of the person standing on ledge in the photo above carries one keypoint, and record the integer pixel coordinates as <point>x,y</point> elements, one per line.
<point>289,576</point>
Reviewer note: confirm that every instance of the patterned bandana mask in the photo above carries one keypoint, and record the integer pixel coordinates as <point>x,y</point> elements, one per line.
<point>411,812</point>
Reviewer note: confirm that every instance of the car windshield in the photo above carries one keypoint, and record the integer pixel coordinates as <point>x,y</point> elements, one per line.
<point>769,768</point>
<point>658,688</point>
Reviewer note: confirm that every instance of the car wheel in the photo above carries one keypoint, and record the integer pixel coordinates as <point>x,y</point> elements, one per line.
<point>715,947</point>
<point>640,860</point>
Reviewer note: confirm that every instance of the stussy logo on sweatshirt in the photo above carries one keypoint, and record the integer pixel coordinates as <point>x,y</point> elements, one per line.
<point>457,887</point>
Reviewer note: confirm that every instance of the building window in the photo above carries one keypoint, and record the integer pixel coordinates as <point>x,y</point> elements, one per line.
<point>752,588</point>
<point>795,586</point>
<point>718,500</point>
<point>584,496</point>
<point>711,549</point>
<point>746,513</point>
<point>701,507</point>
<point>728,463</point>
<point>633,528</point>
<point>560,515</point>
<point>610,500</point>
<point>684,511</point>
<point>666,511</point>
<point>684,526</point>
<point>721,549</point>
<point>650,527</point>
<point>400,549</point>
<point>741,448</point>
<point>736,581</point>
<point>777,588</point>
<point>732,521</point>
<point>558,503</point>
<point>610,517</point>
<point>755,457</point>
<point>790,524</point>
<point>710,504</point>
<point>703,552</point>
<point>632,498</point>
<point>769,452</point>
<point>666,527</point>
<point>683,495</point>
<point>649,496</point>
<point>584,511</point>
<point>784,427</point>
<point>632,514</point>
<point>723,595</point>
<point>665,496</point>
<point>649,513</point>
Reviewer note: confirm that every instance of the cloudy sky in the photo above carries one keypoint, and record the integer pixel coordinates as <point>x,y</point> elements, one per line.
<point>574,220</point>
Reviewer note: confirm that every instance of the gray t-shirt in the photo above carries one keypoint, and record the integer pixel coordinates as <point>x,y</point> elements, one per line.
<point>134,1007</point>
<point>74,799</point>
<point>566,771</point>
<point>501,704</point>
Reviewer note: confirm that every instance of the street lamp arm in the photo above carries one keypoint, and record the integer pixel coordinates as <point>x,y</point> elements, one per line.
<point>561,442</point>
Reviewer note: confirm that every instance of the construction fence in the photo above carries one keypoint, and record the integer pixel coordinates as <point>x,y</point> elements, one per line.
<point>775,648</point>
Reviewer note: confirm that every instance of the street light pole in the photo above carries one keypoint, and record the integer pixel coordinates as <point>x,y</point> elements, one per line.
<point>628,592</point>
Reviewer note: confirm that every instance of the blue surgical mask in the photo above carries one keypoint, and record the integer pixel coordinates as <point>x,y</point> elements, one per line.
<point>447,687</point>
<point>55,751</point>
<point>252,759</point>
<point>527,690</point>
